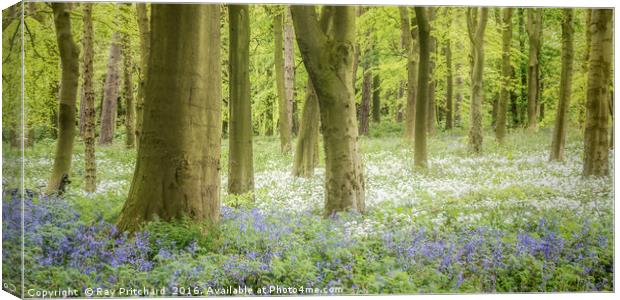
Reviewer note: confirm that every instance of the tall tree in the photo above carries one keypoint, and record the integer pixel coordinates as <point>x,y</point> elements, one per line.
<point>285,109</point>
<point>289,68</point>
<point>177,170</point>
<point>420,153</point>
<point>145,49</point>
<point>410,36</point>
<point>376,97</point>
<point>130,135</point>
<point>534,32</point>
<point>364,110</point>
<point>596,158</point>
<point>431,114</point>
<point>500,125</point>
<point>88,99</point>
<point>240,162</point>
<point>559,131</point>
<point>110,93</point>
<point>69,60</point>
<point>307,148</point>
<point>449,84</point>
<point>328,57</point>
<point>476,25</point>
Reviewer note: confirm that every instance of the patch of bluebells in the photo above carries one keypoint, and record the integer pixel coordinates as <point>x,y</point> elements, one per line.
<point>257,248</point>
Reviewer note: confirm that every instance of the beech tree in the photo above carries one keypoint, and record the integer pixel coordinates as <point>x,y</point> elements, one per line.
<point>69,56</point>
<point>559,130</point>
<point>285,109</point>
<point>500,124</point>
<point>88,99</point>
<point>534,32</point>
<point>110,93</point>
<point>130,135</point>
<point>328,58</point>
<point>409,35</point>
<point>240,162</point>
<point>422,101</point>
<point>476,24</point>
<point>177,169</point>
<point>145,49</point>
<point>596,158</point>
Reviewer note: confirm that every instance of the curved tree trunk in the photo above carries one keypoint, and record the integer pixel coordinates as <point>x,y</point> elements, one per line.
<point>534,31</point>
<point>344,180</point>
<point>176,172</point>
<point>110,93</point>
<point>145,49</point>
<point>500,125</point>
<point>69,56</point>
<point>596,158</point>
<point>476,24</point>
<point>559,131</point>
<point>420,155</point>
<point>306,150</point>
<point>90,175</point>
<point>240,163</point>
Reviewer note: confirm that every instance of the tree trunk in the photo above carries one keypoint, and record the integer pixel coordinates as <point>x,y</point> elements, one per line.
<point>289,71</point>
<point>69,56</point>
<point>500,126</point>
<point>364,113</point>
<point>88,99</point>
<point>522,68</point>
<point>559,131</point>
<point>534,31</point>
<point>449,112</point>
<point>284,105</point>
<point>110,93</point>
<point>409,36</point>
<point>376,98</point>
<point>458,99</point>
<point>145,49</point>
<point>306,150</point>
<point>82,122</point>
<point>240,163</point>
<point>596,158</point>
<point>176,172</point>
<point>130,135</point>
<point>420,155</point>
<point>431,116</point>
<point>328,57</point>
<point>476,21</point>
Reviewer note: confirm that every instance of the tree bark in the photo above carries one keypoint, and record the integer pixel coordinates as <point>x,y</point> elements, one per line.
<point>431,115</point>
<point>130,134</point>
<point>178,158</point>
<point>534,31</point>
<point>449,112</point>
<point>240,162</point>
<point>364,112</point>
<point>306,150</point>
<point>476,24</point>
<point>284,105</point>
<point>69,60</point>
<point>559,131</point>
<point>88,99</point>
<point>110,93</point>
<point>596,158</point>
<point>420,154</point>
<point>500,125</point>
<point>412,69</point>
<point>289,70</point>
<point>376,97</point>
<point>328,57</point>
<point>145,49</point>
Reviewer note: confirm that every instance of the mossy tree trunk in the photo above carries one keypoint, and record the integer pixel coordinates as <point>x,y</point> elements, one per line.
<point>110,93</point>
<point>328,57</point>
<point>596,158</point>
<point>559,131</point>
<point>145,46</point>
<point>500,125</point>
<point>240,162</point>
<point>176,172</point>
<point>534,32</point>
<point>88,99</point>
<point>284,105</point>
<point>476,24</point>
<point>130,134</point>
<point>410,36</point>
<point>69,56</point>
<point>420,153</point>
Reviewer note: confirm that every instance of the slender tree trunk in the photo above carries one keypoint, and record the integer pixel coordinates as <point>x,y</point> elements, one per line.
<point>476,21</point>
<point>240,162</point>
<point>306,150</point>
<point>500,126</point>
<point>90,174</point>
<point>409,36</point>
<point>420,154</point>
<point>359,10</point>
<point>82,122</point>
<point>178,157</point>
<point>431,116</point>
<point>559,131</point>
<point>584,68</point>
<point>289,70</point>
<point>458,99</point>
<point>596,158</point>
<point>145,49</point>
<point>284,105</point>
<point>376,97</point>
<point>364,112</point>
<point>130,134</point>
<point>110,93</point>
<point>328,57</point>
<point>534,31</point>
<point>523,69</point>
<point>449,112</point>
<point>69,59</point>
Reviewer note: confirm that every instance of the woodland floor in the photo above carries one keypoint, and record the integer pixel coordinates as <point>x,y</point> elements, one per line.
<point>507,220</point>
